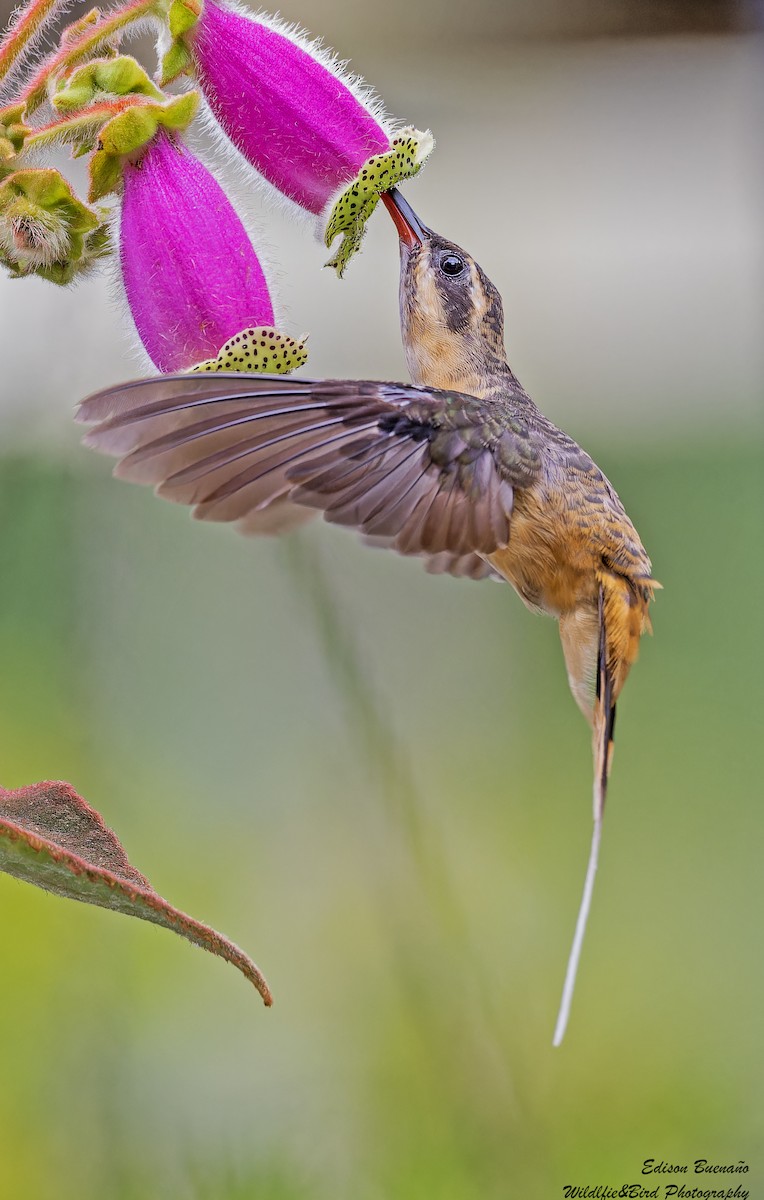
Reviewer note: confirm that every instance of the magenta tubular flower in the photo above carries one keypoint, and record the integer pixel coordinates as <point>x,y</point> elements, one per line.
<point>290,116</point>
<point>308,127</point>
<point>191,274</point>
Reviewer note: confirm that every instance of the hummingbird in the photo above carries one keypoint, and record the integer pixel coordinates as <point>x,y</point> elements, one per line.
<point>458,467</point>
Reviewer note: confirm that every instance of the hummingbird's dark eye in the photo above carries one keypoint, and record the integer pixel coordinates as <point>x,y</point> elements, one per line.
<point>452,264</point>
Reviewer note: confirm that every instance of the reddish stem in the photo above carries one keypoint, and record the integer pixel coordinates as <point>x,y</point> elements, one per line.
<point>28,23</point>
<point>95,116</point>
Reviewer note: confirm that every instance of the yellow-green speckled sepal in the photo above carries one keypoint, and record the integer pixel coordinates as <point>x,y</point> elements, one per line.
<point>378,174</point>
<point>258,351</point>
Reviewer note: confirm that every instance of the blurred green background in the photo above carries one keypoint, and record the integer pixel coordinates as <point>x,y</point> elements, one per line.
<point>374,780</point>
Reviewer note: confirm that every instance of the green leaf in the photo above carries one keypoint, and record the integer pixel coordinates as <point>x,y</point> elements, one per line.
<point>176,62</point>
<point>13,132</point>
<point>51,837</point>
<point>181,16</point>
<point>105,172</point>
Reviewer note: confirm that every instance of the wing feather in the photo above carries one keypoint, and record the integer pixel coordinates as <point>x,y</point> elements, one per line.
<point>411,468</point>
<point>254,486</point>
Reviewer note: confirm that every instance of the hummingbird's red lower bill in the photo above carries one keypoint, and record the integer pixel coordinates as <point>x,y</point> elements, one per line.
<point>411,231</point>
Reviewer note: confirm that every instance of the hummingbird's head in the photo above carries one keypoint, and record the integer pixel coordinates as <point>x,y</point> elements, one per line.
<point>452,318</point>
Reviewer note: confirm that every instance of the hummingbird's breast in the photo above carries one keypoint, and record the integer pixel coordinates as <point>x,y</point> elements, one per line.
<point>566,529</point>
<point>550,557</point>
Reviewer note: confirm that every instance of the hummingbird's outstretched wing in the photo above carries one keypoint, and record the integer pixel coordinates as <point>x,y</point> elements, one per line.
<point>421,470</point>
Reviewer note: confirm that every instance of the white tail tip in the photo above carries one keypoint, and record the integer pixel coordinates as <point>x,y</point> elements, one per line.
<point>578,937</point>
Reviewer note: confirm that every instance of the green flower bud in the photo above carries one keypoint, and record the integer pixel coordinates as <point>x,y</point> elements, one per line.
<point>103,78</point>
<point>45,229</point>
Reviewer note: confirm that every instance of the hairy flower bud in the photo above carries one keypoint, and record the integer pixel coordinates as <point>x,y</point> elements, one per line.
<point>196,290</point>
<point>102,78</point>
<point>45,229</point>
<point>307,126</point>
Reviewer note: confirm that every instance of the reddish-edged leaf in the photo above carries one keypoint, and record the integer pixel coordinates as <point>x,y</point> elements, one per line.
<point>51,837</point>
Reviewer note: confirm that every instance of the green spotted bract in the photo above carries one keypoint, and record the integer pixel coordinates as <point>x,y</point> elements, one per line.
<point>258,351</point>
<point>356,204</point>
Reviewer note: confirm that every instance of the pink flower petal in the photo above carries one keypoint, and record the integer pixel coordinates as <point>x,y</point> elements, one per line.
<point>191,274</point>
<point>290,116</point>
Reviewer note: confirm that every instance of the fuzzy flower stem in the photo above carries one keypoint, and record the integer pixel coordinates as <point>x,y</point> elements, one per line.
<point>93,40</point>
<point>76,128</point>
<point>28,23</point>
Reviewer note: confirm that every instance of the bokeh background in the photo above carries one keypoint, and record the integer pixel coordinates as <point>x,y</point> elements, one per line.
<point>375,780</point>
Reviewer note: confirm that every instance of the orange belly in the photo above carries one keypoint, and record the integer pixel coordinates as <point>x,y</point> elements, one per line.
<point>551,559</point>
<point>557,560</point>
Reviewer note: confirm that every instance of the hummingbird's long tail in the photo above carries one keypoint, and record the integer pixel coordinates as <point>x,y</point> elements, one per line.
<point>603,721</point>
<point>621,619</point>
<point>603,726</point>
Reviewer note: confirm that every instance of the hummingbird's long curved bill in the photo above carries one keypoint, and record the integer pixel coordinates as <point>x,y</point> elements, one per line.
<point>411,231</point>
